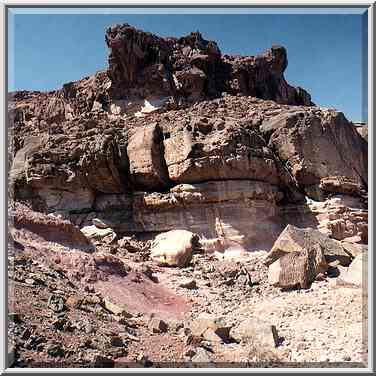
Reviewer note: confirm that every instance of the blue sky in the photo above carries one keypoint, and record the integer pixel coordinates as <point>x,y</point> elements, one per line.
<point>326,52</point>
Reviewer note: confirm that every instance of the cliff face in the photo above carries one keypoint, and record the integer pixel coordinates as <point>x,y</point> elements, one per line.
<point>146,72</point>
<point>191,68</point>
<point>223,152</point>
<point>154,144</point>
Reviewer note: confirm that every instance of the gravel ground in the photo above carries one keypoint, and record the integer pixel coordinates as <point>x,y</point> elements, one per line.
<point>322,324</point>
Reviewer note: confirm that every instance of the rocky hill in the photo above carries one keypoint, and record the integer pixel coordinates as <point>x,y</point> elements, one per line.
<point>179,155</point>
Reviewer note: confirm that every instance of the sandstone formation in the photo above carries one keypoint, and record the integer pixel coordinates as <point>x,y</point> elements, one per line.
<point>178,155</point>
<point>233,154</point>
<point>146,161</point>
<point>25,223</point>
<point>362,129</point>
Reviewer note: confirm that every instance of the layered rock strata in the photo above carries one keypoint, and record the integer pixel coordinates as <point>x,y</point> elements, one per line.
<point>236,167</point>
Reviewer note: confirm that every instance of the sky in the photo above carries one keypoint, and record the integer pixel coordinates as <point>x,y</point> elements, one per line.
<point>326,52</point>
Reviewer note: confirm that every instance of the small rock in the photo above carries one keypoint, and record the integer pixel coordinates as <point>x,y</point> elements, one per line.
<point>157,325</point>
<point>117,341</point>
<point>257,332</point>
<point>55,350</point>
<point>89,288</point>
<point>59,324</point>
<point>74,302</point>
<point>175,326</point>
<point>33,342</point>
<point>211,336</point>
<point>93,300</point>
<point>202,356</point>
<point>100,224</point>
<point>204,322</point>
<point>100,361</point>
<point>144,360</point>
<point>188,284</point>
<point>88,343</point>
<point>190,351</point>
<point>26,334</point>
<point>15,317</point>
<point>56,303</point>
<point>89,329</point>
<point>115,309</point>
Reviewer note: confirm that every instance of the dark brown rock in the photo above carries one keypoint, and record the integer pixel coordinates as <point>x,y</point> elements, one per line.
<point>191,68</point>
<point>157,325</point>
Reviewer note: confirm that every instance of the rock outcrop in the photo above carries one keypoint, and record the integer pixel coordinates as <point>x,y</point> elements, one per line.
<point>190,68</point>
<point>291,135</point>
<point>29,227</point>
<point>213,165</point>
<point>234,168</point>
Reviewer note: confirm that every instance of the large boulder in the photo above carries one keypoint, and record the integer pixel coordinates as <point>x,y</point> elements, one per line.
<point>297,269</point>
<point>174,248</point>
<point>294,239</point>
<point>356,274</point>
<point>94,233</point>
